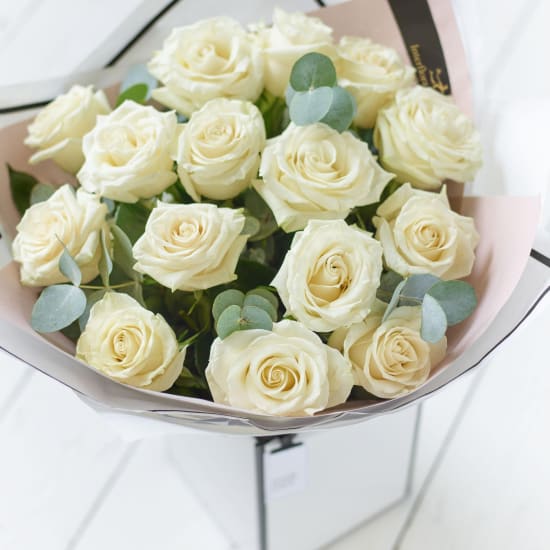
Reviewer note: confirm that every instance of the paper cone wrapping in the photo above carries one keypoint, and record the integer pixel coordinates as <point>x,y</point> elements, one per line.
<point>506,226</point>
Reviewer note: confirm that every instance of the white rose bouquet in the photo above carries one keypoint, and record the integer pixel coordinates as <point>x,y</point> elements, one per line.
<point>266,227</point>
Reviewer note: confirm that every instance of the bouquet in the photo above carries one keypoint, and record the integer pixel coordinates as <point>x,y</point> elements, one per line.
<point>261,218</point>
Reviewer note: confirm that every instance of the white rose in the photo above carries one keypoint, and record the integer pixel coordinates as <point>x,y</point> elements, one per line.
<point>190,246</point>
<point>219,149</point>
<point>389,359</point>
<point>424,139</point>
<point>291,36</point>
<point>130,344</point>
<point>284,372</point>
<point>209,59</point>
<point>58,129</point>
<point>330,275</point>
<point>372,73</point>
<point>421,234</point>
<point>128,153</point>
<point>314,172</point>
<point>66,218</point>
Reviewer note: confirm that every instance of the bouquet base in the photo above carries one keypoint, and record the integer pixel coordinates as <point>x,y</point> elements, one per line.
<point>303,491</point>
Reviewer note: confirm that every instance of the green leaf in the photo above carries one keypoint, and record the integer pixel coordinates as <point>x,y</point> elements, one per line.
<point>123,255</point>
<point>131,218</point>
<point>137,93</point>
<point>225,299</point>
<point>139,74</point>
<point>110,204</point>
<point>253,317</point>
<point>252,274</point>
<point>273,112</point>
<point>41,192</point>
<point>341,111</point>
<point>229,321</point>
<point>105,262</point>
<point>416,286</point>
<point>92,299</point>
<point>310,107</point>
<point>57,307</point>
<point>367,135</point>
<point>388,282</point>
<point>457,299</point>
<point>394,300</point>
<point>312,70</point>
<point>254,203</point>
<point>262,303</point>
<point>69,267</point>
<point>251,226</point>
<point>21,185</point>
<point>267,294</point>
<point>434,320</point>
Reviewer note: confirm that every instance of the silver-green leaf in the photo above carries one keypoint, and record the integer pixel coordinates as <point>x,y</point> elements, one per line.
<point>267,294</point>
<point>122,252</point>
<point>57,307</point>
<point>434,320</point>
<point>261,302</point>
<point>394,300</point>
<point>312,70</point>
<point>105,262</point>
<point>457,299</point>
<point>253,317</point>
<point>41,192</point>
<point>311,106</point>
<point>226,299</point>
<point>229,321</point>
<point>417,285</point>
<point>69,267</point>
<point>341,111</point>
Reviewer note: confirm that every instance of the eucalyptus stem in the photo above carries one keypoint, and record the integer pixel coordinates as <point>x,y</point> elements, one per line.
<point>110,287</point>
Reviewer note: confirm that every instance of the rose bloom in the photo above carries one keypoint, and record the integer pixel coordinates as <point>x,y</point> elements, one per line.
<point>66,218</point>
<point>190,246</point>
<point>371,73</point>
<point>209,59</point>
<point>284,372</point>
<point>219,149</point>
<point>314,172</point>
<point>389,358</point>
<point>58,129</point>
<point>421,234</point>
<point>291,36</point>
<point>330,275</point>
<point>130,344</point>
<point>128,153</point>
<point>424,139</point>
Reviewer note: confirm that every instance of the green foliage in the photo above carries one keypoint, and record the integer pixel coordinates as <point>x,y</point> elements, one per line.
<point>367,135</point>
<point>341,111</point>
<point>131,218</point>
<point>123,255</point>
<point>273,112</point>
<point>251,226</point>
<point>364,214</point>
<point>137,93</point>
<point>457,299</point>
<point>310,106</point>
<point>57,307</point>
<point>226,299</point>
<point>91,299</point>
<point>41,192</point>
<point>434,322</point>
<point>21,186</point>
<point>312,70</point>
<point>258,208</point>
<point>137,85</point>
<point>69,267</point>
<point>394,301</point>
<point>105,262</point>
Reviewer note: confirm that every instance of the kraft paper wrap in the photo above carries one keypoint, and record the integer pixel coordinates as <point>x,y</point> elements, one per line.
<point>506,225</point>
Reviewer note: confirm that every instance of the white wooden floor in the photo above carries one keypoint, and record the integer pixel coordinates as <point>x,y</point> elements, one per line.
<point>68,480</point>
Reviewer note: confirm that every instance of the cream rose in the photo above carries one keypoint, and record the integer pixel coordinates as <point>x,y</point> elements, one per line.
<point>372,73</point>
<point>66,218</point>
<point>291,36</point>
<point>128,153</point>
<point>209,59</point>
<point>314,172</point>
<point>284,372</point>
<point>130,344</point>
<point>389,359</point>
<point>330,275</point>
<point>190,246</point>
<point>58,129</point>
<point>421,234</point>
<point>219,149</point>
<point>424,139</point>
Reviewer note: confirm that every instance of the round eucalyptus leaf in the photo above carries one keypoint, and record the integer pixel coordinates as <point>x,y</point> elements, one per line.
<point>41,192</point>
<point>457,299</point>
<point>312,70</point>
<point>341,111</point>
<point>229,321</point>
<point>226,299</point>
<point>310,107</point>
<point>57,307</point>
<point>417,285</point>
<point>253,317</point>
<point>262,303</point>
<point>434,320</point>
<point>289,94</point>
<point>267,294</point>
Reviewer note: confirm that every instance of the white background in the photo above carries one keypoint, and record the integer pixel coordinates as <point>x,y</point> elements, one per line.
<point>482,480</point>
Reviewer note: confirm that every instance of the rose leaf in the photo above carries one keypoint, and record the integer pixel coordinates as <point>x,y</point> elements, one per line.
<point>21,186</point>
<point>123,255</point>
<point>57,307</point>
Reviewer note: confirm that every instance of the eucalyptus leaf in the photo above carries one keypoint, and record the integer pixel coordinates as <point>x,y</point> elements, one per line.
<point>110,204</point>
<point>457,299</point>
<point>41,192</point>
<point>105,262</point>
<point>388,282</point>
<point>123,255</point>
<point>251,226</point>
<point>267,294</point>
<point>69,267</point>
<point>261,302</point>
<point>254,203</point>
<point>312,70</point>
<point>92,299</point>
<point>253,317</point>
<point>21,186</point>
<point>341,111</point>
<point>229,321</point>
<point>57,307</point>
<point>226,299</point>
<point>417,285</point>
<point>311,106</point>
<point>434,320</point>
<point>394,300</point>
